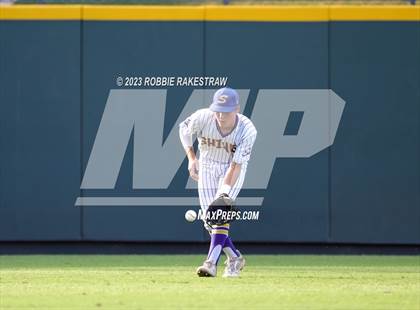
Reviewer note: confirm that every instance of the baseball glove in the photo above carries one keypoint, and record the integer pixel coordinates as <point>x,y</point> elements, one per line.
<point>220,211</point>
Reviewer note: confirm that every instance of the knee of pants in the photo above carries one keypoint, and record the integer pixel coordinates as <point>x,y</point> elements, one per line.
<point>207,227</point>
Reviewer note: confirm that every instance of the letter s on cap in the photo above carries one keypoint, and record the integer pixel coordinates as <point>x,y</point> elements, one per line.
<point>222,99</point>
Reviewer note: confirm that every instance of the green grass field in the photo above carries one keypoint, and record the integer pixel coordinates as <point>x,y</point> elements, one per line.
<point>169,281</point>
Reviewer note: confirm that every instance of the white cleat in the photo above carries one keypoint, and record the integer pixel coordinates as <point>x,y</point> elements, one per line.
<point>241,260</point>
<point>208,269</point>
<point>233,266</point>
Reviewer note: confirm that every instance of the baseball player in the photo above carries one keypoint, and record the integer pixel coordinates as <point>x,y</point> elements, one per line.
<point>225,142</point>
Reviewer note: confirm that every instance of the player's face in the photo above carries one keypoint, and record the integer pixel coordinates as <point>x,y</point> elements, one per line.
<point>225,119</point>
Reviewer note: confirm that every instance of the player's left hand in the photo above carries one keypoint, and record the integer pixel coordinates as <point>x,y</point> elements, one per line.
<point>223,203</point>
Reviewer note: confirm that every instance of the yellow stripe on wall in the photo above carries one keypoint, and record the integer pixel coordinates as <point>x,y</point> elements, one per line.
<point>375,13</point>
<point>143,12</point>
<point>41,12</point>
<point>270,13</point>
<point>267,13</point>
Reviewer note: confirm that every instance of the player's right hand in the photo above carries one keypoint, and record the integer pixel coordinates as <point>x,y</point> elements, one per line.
<point>193,169</point>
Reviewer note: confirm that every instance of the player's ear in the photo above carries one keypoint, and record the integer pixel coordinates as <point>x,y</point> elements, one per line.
<point>237,109</point>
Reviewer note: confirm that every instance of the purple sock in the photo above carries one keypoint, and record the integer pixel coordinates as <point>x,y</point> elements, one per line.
<point>229,248</point>
<point>218,239</point>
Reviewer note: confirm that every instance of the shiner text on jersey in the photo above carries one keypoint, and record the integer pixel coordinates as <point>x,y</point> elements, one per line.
<point>218,143</point>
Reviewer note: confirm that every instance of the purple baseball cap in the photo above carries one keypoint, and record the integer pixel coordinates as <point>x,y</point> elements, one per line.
<point>225,100</point>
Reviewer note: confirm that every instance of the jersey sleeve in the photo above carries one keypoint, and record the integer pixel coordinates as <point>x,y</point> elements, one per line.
<point>243,149</point>
<point>191,126</point>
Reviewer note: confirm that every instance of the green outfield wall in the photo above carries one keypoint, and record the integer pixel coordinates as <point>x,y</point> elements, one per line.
<point>60,69</point>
